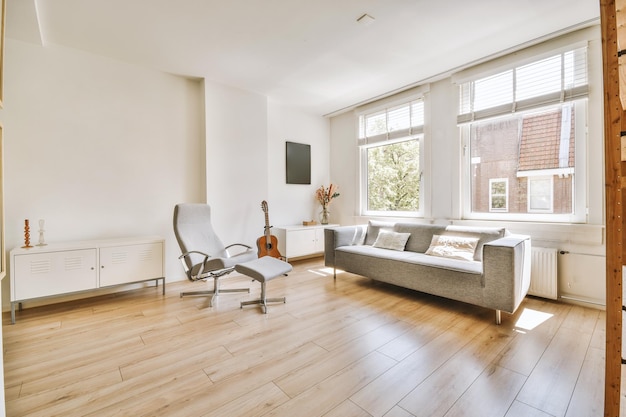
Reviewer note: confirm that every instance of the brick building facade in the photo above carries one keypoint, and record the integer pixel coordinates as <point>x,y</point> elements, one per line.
<point>535,150</point>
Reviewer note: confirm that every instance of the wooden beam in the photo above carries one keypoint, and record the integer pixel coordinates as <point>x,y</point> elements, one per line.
<point>613,112</point>
<point>620,22</point>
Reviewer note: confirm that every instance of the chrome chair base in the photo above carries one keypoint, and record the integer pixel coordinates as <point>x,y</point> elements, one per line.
<point>213,293</point>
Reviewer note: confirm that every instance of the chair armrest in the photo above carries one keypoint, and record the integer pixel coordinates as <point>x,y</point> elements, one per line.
<point>184,255</point>
<point>186,268</point>
<point>335,237</point>
<point>236,244</point>
<point>506,272</point>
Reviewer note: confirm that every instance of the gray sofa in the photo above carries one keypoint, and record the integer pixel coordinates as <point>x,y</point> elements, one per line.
<point>495,275</point>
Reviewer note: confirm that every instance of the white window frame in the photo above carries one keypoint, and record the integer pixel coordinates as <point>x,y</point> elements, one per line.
<point>579,200</point>
<point>533,179</point>
<point>364,143</point>
<point>578,96</point>
<point>506,195</point>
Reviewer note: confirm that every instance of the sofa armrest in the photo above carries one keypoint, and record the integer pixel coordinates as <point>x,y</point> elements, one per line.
<point>335,237</point>
<point>506,272</point>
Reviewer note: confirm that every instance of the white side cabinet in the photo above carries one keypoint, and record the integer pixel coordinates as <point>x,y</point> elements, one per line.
<point>63,268</point>
<point>297,241</point>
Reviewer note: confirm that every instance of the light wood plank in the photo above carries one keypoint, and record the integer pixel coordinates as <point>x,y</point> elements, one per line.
<point>254,403</point>
<point>551,384</point>
<point>588,394</point>
<point>385,392</point>
<point>328,364</point>
<point>153,396</point>
<point>197,402</point>
<point>43,400</point>
<point>527,347</point>
<point>333,391</point>
<point>490,396</point>
<point>398,412</point>
<point>456,375</point>
<point>347,409</point>
<point>519,409</point>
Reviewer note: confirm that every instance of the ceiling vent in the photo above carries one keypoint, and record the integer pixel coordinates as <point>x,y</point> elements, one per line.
<point>365,19</point>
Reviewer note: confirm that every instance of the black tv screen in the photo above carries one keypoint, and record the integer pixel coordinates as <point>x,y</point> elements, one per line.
<point>298,163</point>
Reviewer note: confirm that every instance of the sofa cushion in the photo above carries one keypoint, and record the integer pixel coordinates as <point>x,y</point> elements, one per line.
<point>369,256</point>
<point>453,247</point>
<point>447,264</point>
<point>484,235</point>
<point>391,240</point>
<point>358,238</point>
<point>370,251</point>
<point>421,235</point>
<point>373,227</point>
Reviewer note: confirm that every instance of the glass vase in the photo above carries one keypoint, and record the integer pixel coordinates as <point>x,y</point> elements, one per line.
<point>324,215</point>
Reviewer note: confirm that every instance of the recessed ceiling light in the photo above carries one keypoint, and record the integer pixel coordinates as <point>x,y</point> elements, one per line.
<point>365,19</point>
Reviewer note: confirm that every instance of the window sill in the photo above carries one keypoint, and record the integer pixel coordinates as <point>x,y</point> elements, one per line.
<point>574,233</point>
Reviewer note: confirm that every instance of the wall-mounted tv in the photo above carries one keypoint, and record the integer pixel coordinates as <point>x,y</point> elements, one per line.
<point>298,163</point>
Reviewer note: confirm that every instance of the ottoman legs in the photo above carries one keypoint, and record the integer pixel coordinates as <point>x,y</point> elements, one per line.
<point>263,270</point>
<point>264,300</point>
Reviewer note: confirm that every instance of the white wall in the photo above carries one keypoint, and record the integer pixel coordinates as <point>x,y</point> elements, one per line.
<point>98,148</point>
<point>344,165</point>
<point>292,203</point>
<point>236,155</point>
<point>444,205</point>
<point>245,153</point>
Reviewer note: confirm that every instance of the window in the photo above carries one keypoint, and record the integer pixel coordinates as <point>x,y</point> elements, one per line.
<point>499,194</point>
<point>523,133</point>
<point>540,194</point>
<point>391,142</point>
<point>393,177</point>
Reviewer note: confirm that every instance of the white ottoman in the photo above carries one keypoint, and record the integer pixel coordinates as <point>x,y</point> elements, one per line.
<point>264,269</point>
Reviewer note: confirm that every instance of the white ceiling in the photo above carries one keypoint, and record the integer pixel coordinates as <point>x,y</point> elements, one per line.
<point>307,53</point>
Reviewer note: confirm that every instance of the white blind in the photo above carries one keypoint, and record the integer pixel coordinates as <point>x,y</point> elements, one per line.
<point>558,78</point>
<point>392,123</point>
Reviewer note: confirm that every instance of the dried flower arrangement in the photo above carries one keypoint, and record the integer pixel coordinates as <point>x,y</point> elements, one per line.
<point>325,195</point>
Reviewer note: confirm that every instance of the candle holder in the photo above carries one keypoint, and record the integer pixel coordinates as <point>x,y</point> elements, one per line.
<point>26,235</point>
<point>42,241</point>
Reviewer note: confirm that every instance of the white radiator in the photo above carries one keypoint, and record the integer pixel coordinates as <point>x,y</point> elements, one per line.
<point>543,273</point>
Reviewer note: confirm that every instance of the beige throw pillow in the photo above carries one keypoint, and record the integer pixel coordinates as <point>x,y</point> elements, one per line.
<point>454,247</point>
<point>391,240</point>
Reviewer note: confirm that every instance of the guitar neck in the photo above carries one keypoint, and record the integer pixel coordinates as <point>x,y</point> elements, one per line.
<point>267,226</point>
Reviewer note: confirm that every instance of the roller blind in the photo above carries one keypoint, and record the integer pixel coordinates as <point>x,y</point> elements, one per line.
<point>392,123</point>
<point>558,78</point>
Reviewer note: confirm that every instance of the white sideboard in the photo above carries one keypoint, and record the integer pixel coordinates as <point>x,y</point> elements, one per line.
<point>63,268</point>
<point>296,241</point>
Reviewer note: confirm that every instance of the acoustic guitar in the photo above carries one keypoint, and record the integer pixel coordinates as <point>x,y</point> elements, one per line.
<point>267,244</point>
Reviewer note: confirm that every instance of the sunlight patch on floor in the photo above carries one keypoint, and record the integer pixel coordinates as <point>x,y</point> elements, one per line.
<point>529,319</point>
<point>324,271</point>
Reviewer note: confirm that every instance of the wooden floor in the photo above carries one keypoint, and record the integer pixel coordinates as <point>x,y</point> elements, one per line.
<point>350,348</point>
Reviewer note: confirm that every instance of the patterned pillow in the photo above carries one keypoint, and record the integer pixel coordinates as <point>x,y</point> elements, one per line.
<point>454,247</point>
<point>391,240</point>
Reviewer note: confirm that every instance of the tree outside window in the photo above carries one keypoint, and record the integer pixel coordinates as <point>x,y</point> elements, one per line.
<point>390,143</point>
<point>393,177</point>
